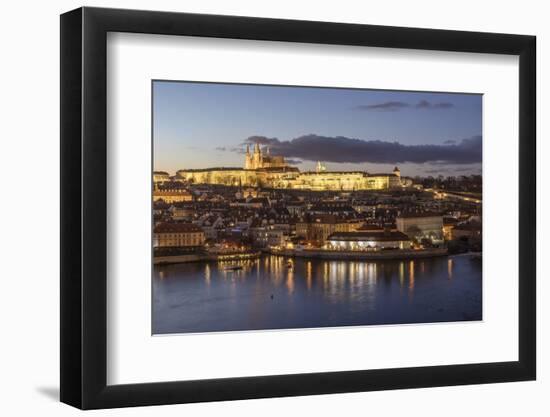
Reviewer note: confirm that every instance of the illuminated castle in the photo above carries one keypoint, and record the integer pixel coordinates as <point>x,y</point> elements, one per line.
<point>270,171</point>
<point>257,160</point>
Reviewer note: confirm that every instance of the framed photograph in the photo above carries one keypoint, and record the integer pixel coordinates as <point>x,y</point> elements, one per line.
<point>257,208</point>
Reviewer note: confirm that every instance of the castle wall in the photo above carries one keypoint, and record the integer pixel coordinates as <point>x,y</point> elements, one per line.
<point>322,181</point>
<point>273,172</point>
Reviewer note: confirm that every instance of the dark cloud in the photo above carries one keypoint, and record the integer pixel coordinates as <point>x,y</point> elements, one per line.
<point>451,170</point>
<point>341,149</point>
<point>425,104</point>
<point>262,140</point>
<point>449,142</point>
<point>437,171</point>
<point>386,106</point>
<point>400,105</point>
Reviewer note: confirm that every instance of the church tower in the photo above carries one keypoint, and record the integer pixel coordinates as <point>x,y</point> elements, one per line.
<point>248,159</point>
<point>257,157</point>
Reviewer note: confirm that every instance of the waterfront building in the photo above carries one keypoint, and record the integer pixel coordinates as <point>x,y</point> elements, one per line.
<point>418,226</point>
<point>449,223</point>
<point>264,170</point>
<point>178,235</point>
<point>264,237</point>
<point>317,228</point>
<point>467,231</point>
<point>374,239</point>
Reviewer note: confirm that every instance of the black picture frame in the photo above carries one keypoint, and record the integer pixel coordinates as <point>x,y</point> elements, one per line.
<point>84,207</point>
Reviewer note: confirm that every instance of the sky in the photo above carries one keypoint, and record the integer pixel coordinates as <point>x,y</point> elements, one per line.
<point>201,125</point>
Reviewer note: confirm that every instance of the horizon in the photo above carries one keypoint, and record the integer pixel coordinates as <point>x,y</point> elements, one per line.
<point>204,125</point>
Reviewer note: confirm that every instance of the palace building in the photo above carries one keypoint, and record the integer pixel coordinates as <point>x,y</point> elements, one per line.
<point>270,171</point>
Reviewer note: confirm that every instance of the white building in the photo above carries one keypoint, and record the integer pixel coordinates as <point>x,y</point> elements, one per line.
<point>368,240</point>
<point>420,226</point>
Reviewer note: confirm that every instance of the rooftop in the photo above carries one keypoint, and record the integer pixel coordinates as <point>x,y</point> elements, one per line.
<point>390,235</point>
<point>177,228</point>
<point>414,215</point>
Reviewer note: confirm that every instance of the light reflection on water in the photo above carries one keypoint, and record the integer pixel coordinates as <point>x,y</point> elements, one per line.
<point>275,292</point>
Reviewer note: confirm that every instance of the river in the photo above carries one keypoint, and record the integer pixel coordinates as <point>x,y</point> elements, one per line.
<point>276,292</point>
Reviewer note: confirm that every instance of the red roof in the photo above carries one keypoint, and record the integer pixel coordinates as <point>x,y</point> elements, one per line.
<point>177,228</point>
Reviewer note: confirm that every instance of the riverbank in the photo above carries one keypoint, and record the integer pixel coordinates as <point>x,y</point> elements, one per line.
<point>204,257</point>
<point>304,253</point>
<point>356,255</point>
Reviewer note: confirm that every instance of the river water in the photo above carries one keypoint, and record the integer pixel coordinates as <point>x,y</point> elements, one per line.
<point>270,293</point>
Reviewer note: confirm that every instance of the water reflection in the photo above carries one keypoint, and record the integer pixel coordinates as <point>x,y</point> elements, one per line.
<point>308,274</point>
<point>411,276</point>
<point>278,292</point>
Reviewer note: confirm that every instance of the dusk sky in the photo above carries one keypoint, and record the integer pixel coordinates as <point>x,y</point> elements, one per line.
<point>201,125</point>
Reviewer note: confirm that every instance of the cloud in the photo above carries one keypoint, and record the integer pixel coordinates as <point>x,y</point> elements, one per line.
<point>293,161</point>
<point>340,149</point>
<point>385,106</point>
<point>401,105</point>
<point>221,148</point>
<point>452,170</point>
<point>425,104</point>
<point>449,142</point>
<point>262,140</point>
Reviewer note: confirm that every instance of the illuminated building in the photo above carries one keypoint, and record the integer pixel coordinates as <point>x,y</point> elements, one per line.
<point>420,226</point>
<point>368,240</point>
<point>257,160</point>
<point>449,224</point>
<point>267,236</point>
<point>160,177</point>
<point>318,228</point>
<point>264,170</point>
<point>467,230</point>
<point>172,196</point>
<point>177,235</point>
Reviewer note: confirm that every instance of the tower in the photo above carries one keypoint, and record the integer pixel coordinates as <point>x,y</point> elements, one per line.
<point>257,157</point>
<point>397,172</point>
<point>247,159</point>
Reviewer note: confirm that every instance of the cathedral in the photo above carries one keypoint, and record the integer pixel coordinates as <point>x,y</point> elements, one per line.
<point>258,160</point>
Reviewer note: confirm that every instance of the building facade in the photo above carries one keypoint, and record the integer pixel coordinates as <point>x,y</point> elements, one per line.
<point>177,235</point>
<point>420,226</point>
<point>176,195</point>
<point>264,170</point>
<point>317,228</point>
<point>368,240</point>
<point>160,177</point>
